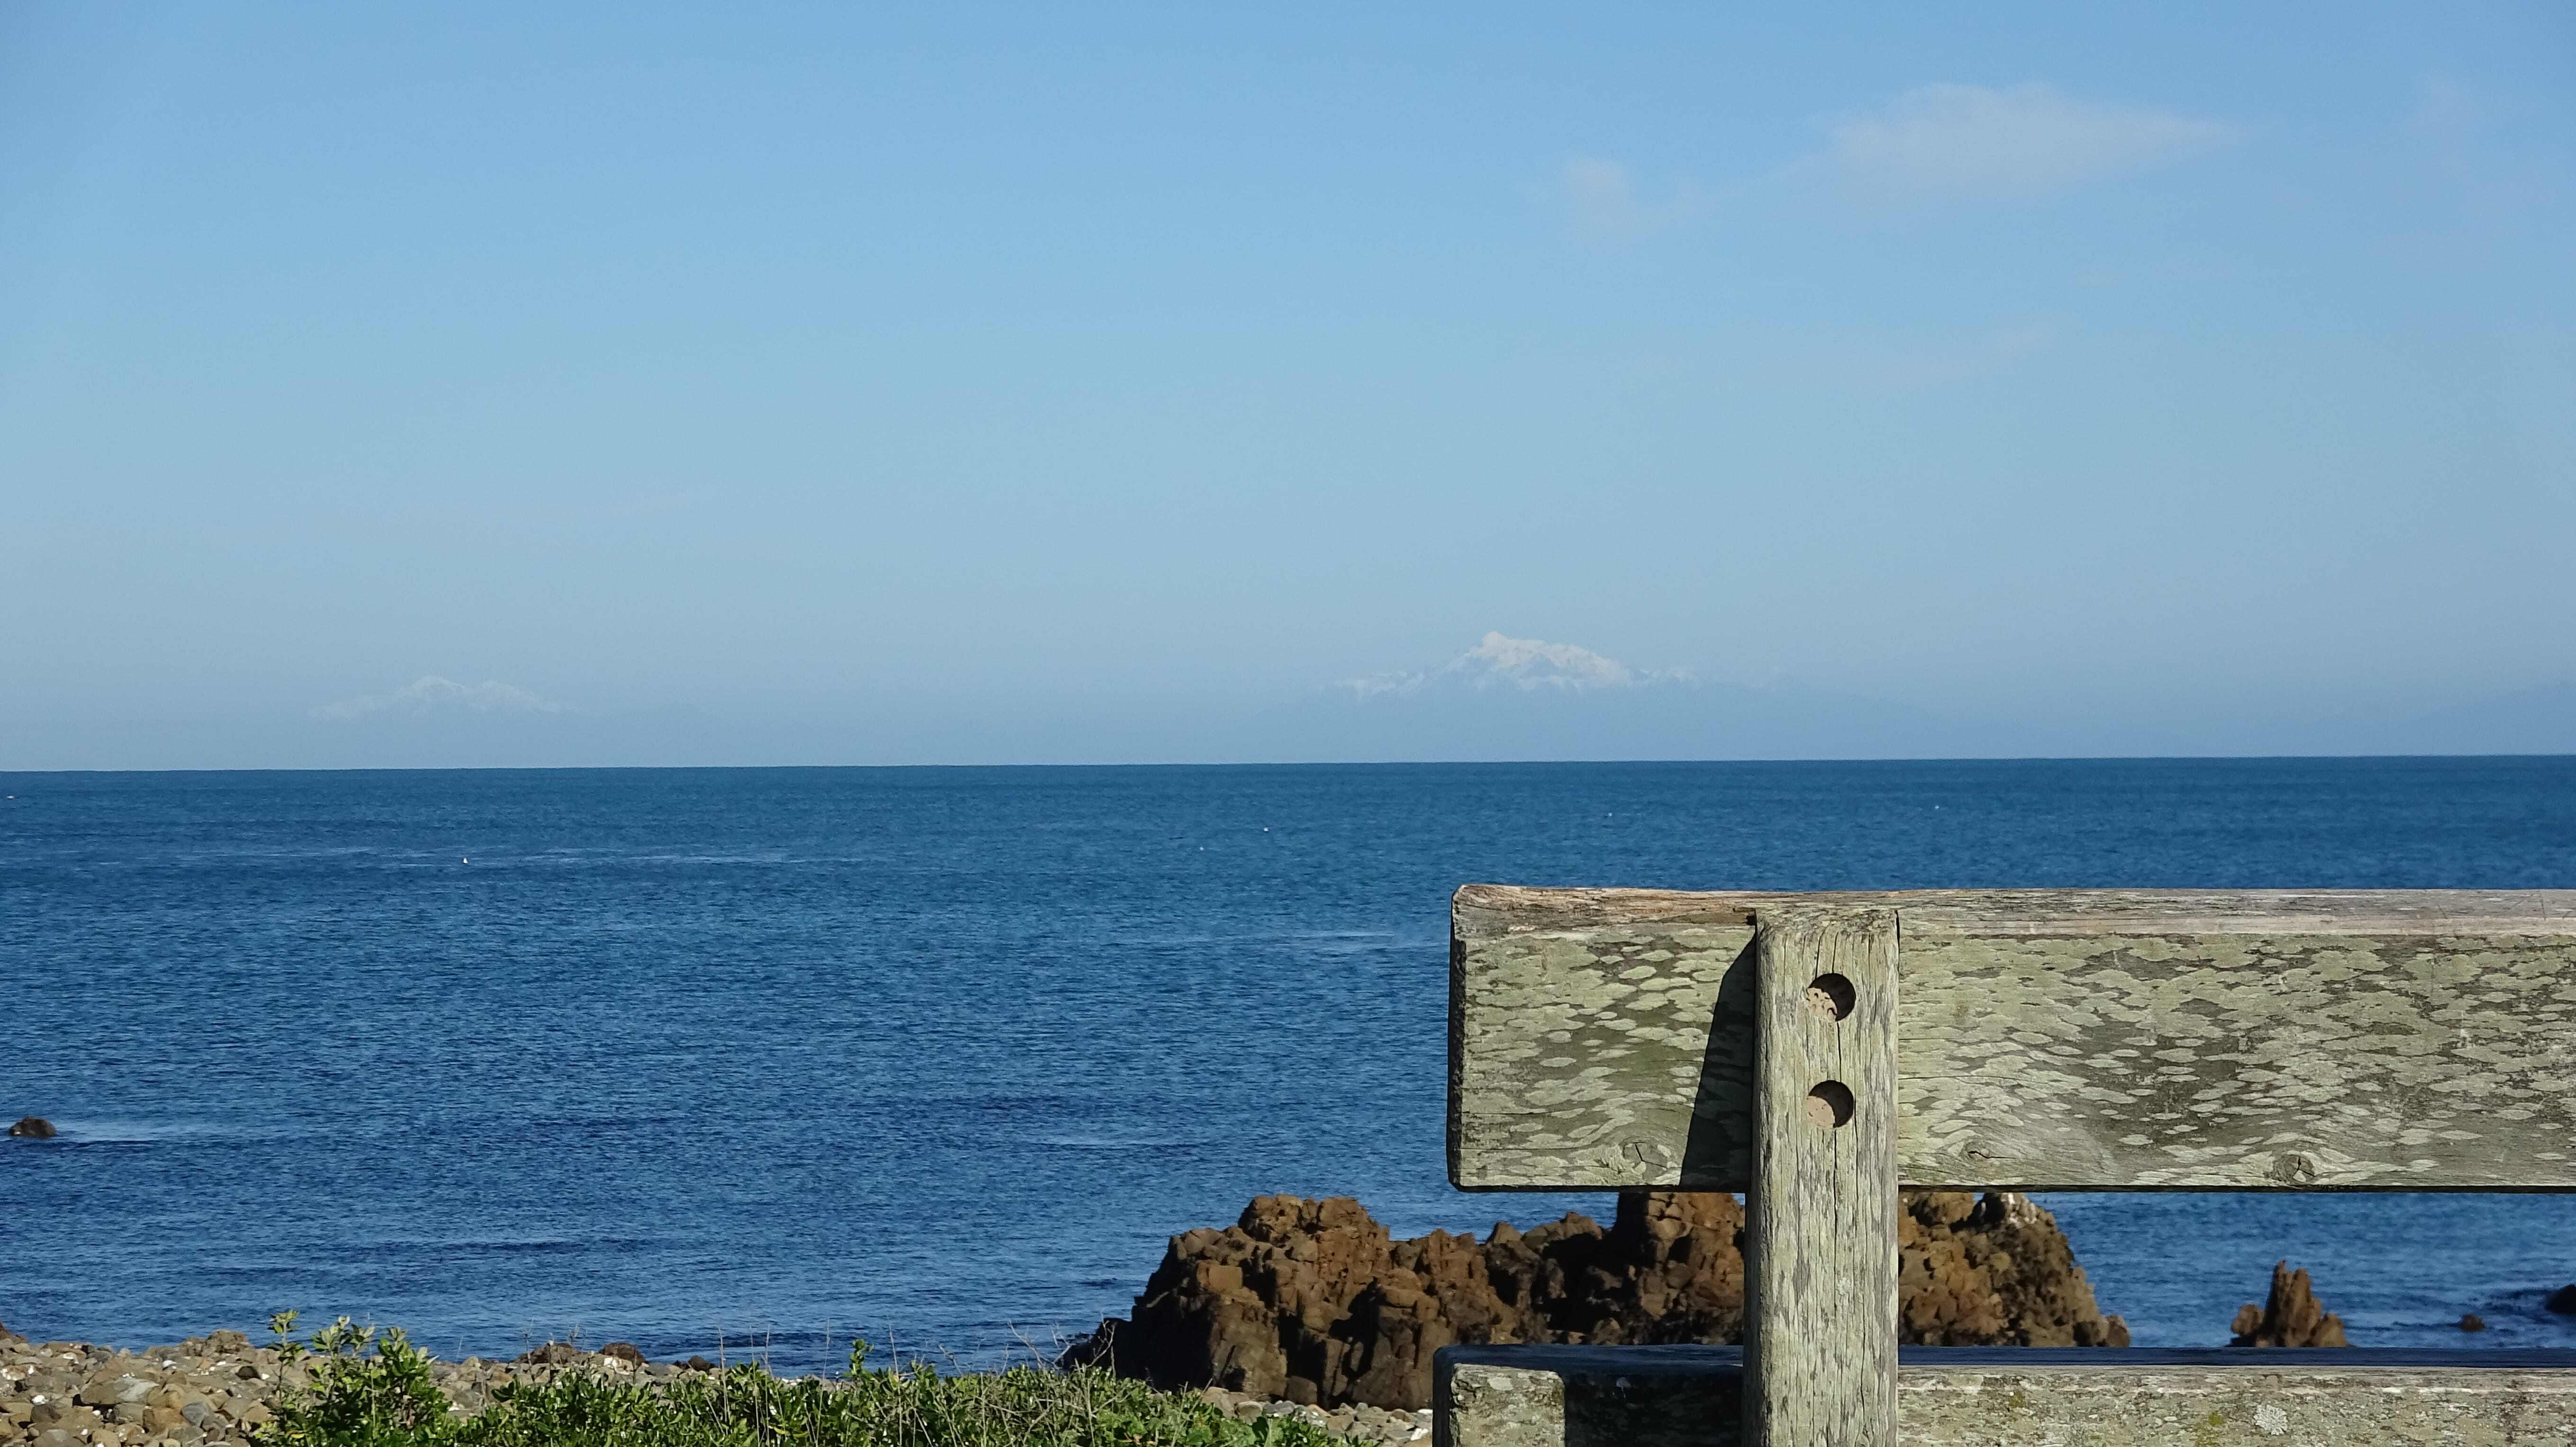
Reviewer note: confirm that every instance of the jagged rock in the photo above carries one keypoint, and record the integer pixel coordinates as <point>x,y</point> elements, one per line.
<point>1311,1301</point>
<point>2562,1301</point>
<point>1993,1270</point>
<point>624,1351</point>
<point>552,1354</point>
<point>2471,1321</point>
<point>2291,1317</point>
<point>34,1127</point>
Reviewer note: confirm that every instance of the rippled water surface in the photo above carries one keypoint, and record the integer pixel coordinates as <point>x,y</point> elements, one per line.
<point>783,1055</point>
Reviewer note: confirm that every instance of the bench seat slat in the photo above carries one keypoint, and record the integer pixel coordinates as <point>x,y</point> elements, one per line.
<point>1971,1396</point>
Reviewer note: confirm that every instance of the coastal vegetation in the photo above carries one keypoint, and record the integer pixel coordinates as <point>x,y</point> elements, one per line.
<point>353,1386</point>
<point>376,1390</point>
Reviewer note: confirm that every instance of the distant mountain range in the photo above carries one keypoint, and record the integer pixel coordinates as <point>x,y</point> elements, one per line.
<point>1502,699</point>
<point>1509,698</point>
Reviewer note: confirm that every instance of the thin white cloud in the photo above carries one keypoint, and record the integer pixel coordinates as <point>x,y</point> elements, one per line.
<point>1969,140</point>
<point>432,694</point>
<point>1602,199</point>
<point>1527,664</point>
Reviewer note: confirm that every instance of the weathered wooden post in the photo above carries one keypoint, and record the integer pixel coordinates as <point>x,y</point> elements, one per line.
<point>1820,1283</point>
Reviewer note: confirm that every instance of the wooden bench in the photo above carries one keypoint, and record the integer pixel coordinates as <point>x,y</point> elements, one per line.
<point>1818,1051</point>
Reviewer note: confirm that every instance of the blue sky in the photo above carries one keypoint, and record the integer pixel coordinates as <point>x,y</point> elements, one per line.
<point>978,384</point>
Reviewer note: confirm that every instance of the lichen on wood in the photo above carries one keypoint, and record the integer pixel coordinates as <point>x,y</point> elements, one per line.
<point>2049,1039</point>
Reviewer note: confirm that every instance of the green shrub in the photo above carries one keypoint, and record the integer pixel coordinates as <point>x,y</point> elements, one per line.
<point>358,1397</point>
<point>368,1390</point>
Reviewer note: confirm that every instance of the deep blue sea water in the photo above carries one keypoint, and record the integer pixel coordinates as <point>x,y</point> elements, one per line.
<point>943,1055</point>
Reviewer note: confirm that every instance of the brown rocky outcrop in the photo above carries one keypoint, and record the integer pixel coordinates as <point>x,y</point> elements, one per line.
<point>1312,1301</point>
<point>1993,1270</point>
<point>34,1127</point>
<point>2290,1317</point>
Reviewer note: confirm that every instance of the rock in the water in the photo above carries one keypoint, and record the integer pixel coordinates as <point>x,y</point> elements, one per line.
<point>2471,1321</point>
<point>2562,1301</point>
<point>2291,1317</point>
<point>1993,1270</point>
<point>697,1364</point>
<point>1313,1302</point>
<point>34,1127</point>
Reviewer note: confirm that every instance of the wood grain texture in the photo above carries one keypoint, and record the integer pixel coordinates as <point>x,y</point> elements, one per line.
<point>2051,1039</point>
<point>1820,1283</point>
<point>1987,1397</point>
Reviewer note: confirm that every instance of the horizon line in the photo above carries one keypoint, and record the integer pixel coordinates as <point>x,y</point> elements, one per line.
<point>1321,764</point>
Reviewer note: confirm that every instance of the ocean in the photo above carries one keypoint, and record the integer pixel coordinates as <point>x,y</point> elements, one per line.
<point>762,1059</point>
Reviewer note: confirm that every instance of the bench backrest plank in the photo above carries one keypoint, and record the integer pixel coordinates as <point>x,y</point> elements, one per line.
<point>2047,1040</point>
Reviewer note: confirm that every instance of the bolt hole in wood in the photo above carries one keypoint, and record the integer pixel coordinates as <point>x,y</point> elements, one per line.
<point>1830,1104</point>
<point>1830,996</point>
